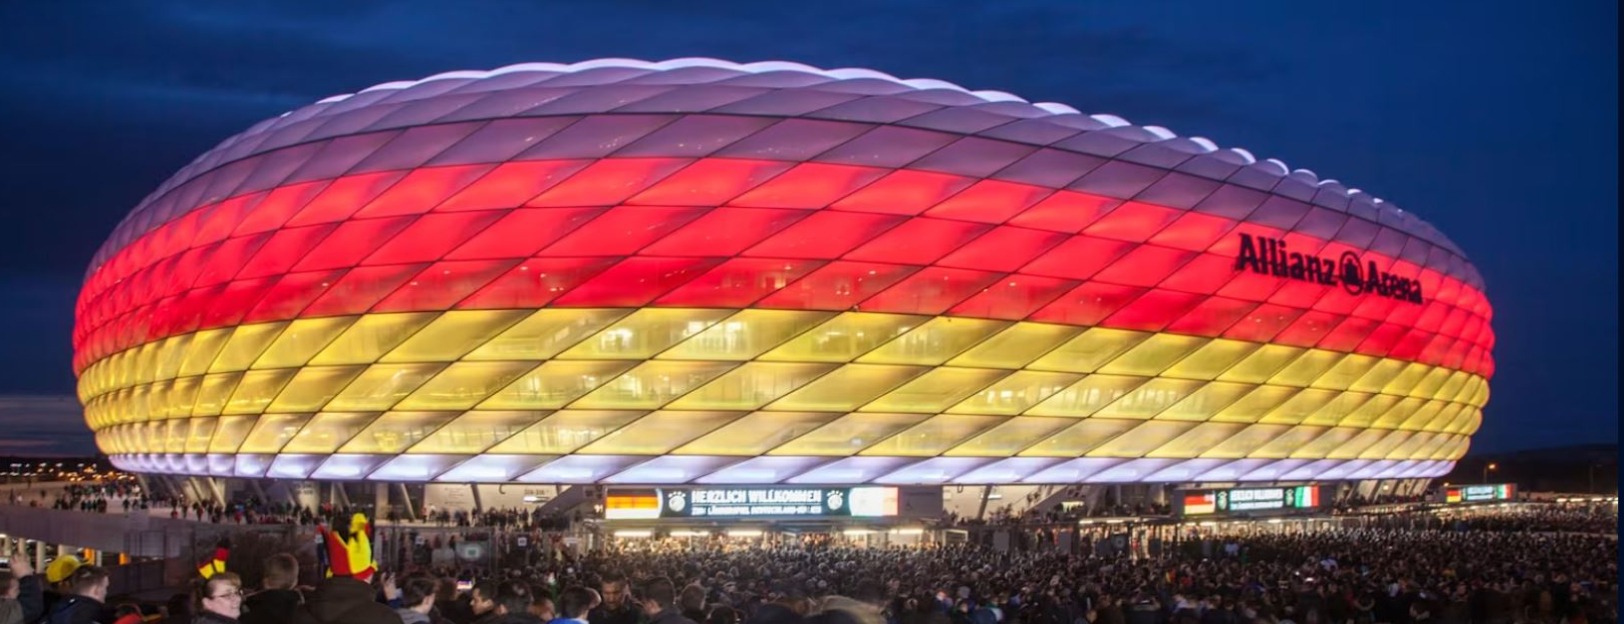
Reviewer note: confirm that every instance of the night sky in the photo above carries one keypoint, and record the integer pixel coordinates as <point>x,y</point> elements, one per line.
<point>1495,121</point>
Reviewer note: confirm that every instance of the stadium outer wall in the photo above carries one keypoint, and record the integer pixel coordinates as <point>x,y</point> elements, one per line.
<point>702,272</point>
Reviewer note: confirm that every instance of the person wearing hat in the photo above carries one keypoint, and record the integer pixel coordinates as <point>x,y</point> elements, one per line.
<point>36,598</point>
<point>85,601</point>
<point>346,596</point>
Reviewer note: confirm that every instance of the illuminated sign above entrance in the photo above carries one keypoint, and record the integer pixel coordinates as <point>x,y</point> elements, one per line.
<point>1270,256</point>
<point>1480,493</point>
<point>650,504</point>
<point>1244,500</point>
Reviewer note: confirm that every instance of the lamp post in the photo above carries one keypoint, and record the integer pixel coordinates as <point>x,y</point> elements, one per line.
<point>1487,468</point>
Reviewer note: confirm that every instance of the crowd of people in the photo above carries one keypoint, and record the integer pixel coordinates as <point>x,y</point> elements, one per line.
<point>1498,566</point>
<point>124,498</point>
<point>1081,508</point>
<point>1598,519</point>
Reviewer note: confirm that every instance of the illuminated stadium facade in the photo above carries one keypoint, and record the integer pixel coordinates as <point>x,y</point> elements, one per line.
<point>708,273</point>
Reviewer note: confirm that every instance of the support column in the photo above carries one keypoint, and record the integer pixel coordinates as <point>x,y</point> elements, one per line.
<point>380,500</point>
<point>406,499</point>
<point>1365,488</point>
<point>205,491</point>
<point>986,496</point>
<point>341,496</point>
<point>170,486</point>
<point>259,492</point>
<point>39,556</point>
<point>478,504</point>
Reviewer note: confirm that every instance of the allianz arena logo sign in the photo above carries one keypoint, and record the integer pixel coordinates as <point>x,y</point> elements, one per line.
<point>1357,276</point>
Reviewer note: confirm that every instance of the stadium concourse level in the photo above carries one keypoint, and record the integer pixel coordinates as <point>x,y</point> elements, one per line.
<point>1386,509</point>
<point>123,497</point>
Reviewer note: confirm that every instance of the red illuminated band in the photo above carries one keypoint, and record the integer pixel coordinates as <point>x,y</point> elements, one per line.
<point>906,242</point>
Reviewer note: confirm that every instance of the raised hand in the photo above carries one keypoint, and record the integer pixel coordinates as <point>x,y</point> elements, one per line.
<point>20,567</point>
<point>391,590</point>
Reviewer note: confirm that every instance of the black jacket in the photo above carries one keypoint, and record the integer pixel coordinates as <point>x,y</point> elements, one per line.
<point>627,614</point>
<point>456,611</point>
<point>272,606</point>
<point>31,596</point>
<point>670,616</point>
<point>77,610</point>
<point>518,618</point>
<point>212,618</point>
<point>344,600</point>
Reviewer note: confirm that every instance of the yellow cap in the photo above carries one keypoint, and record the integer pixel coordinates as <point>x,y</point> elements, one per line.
<point>62,568</point>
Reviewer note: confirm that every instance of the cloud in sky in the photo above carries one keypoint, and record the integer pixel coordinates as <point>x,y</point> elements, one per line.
<point>44,426</point>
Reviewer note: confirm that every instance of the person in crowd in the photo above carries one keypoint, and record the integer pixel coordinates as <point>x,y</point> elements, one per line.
<point>11,610</point>
<point>513,600</point>
<point>219,599</point>
<point>722,614</point>
<point>543,608</point>
<point>482,602</point>
<point>574,603</point>
<point>178,609</point>
<point>13,596</point>
<point>775,613</point>
<point>128,613</point>
<point>344,599</point>
<point>450,604</point>
<point>347,596</point>
<point>39,593</point>
<point>692,603</point>
<point>275,603</point>
<point>658,598</point>
<point>417,593</point>
<point>85,601</point>
<point>617,606</point>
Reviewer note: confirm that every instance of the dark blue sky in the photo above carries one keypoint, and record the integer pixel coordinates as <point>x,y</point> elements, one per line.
<point>1496,121</point>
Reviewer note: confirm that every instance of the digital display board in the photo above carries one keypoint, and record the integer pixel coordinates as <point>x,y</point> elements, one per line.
<point>729,502</point>
<point>1480,493</point>
<point>1245,500</point>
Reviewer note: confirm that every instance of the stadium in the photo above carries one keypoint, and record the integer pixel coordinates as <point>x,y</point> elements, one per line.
<point>701,272</point>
